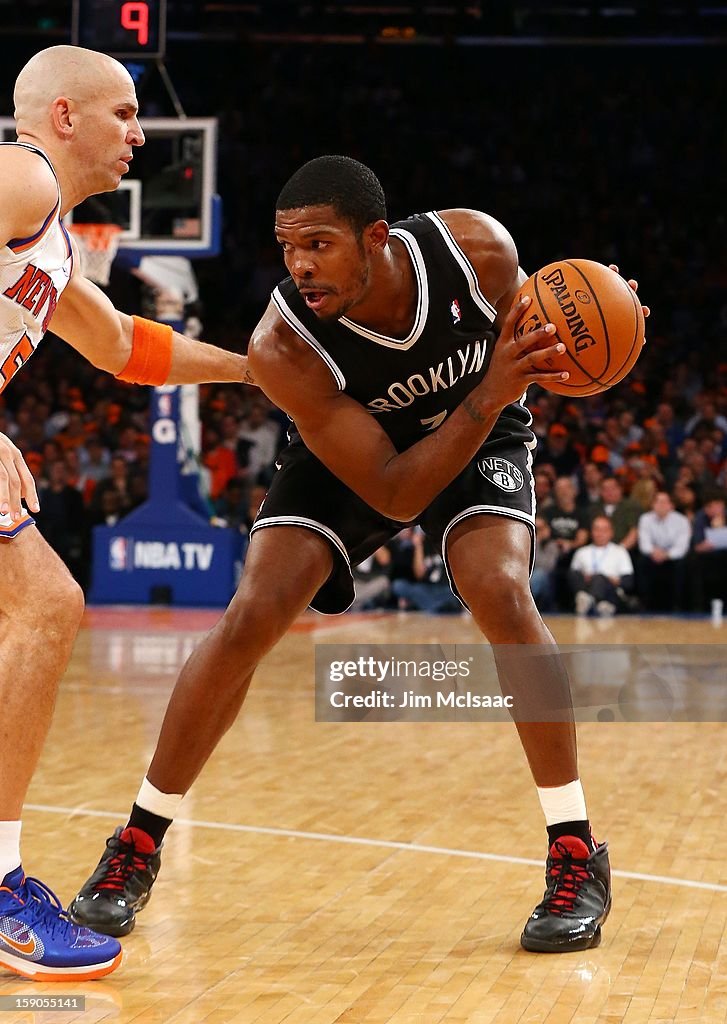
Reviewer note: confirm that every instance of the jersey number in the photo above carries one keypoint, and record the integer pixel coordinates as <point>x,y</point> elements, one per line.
<point>19,355</point>
<point>432,422</point>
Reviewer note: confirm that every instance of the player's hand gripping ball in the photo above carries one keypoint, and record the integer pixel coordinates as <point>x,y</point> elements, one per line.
<point>597,316</point>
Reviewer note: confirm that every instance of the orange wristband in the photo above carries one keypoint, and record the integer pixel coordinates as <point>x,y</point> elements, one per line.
<point>150,361</point>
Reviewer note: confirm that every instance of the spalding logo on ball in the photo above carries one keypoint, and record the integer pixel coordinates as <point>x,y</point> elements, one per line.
<point>597,316</point>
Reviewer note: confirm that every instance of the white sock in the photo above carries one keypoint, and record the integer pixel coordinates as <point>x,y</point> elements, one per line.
<point>165,805</point>
<point>563,803</point>
<point>9,846</point>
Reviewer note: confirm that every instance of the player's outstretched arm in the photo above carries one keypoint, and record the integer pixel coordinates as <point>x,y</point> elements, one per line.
<point>138,350</point>
<point>355,447</point>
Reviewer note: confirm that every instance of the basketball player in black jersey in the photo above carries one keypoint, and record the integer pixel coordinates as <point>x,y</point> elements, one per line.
<point>381,345</point>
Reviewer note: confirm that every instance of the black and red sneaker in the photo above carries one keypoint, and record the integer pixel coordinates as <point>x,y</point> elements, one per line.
<point>120,885</point>
<point>577,899</point>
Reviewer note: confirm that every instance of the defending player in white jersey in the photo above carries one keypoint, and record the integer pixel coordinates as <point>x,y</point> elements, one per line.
<point>77,127</point>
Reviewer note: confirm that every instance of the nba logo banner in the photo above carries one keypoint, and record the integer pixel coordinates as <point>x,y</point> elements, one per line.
<point>118,554</point>
<point>196,564</point>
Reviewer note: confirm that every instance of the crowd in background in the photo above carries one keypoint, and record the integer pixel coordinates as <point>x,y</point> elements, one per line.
<point>612,168</point>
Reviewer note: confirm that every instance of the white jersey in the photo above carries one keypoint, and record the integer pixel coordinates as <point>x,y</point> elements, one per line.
<point>603,560</point>
<point>33,273</point>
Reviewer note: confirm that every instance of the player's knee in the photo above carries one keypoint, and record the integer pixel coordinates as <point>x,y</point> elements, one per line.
<point>502,596</point>
<point>253,621</point>
<point>63,602</point>
<point>75,601</point>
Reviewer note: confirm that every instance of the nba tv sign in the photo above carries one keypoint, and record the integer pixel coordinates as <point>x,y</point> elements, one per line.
<point>127,554</point>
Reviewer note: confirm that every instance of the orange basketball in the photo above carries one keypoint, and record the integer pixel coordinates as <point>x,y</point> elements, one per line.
<point>597,316</point>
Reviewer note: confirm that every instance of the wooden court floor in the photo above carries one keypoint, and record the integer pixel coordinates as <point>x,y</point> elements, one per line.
<point>378,873</point>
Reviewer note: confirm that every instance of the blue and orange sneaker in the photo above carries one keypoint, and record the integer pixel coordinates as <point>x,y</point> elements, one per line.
<point>38,941</point>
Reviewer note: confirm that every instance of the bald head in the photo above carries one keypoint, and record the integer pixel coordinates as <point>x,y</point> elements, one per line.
<point>80,108</point>
<point>68,71</point>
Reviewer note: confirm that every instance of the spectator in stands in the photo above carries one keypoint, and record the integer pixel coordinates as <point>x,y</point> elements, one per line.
<point>558,451</point>
<point>126,445</point>
<point>568,523</point>
<point>220,462</point>
<point>32,435</point>
<point>685,499</point>
<point>231,505</point>
<point>138,490</point>
<point>638,465</point>
<point>623,512</point>
<point>710,447</point>
<point>666,418</point>
<point>74,434</point>
<point>589,492</point>
<point>118,481</point>
<point>607,461</point>
<point>615,437</point>
<point>708,562</point>
<point>542,580</point>
<point>704,480</point>
<point>643,493</point>
<point>685,475</point>
<point>56,422</point>
<point>429,590</point>
<point>261,436</point>
<point>629,430</point>
<point>664,536</point>
<point>51,451</point>
<point>569,530</point>
<point>229,428</point>
<point>104,512</point>
<point>705,416</point>
<point>94,459</point>
<point>142,454</point>
<point>34,462</point>
<point>73,468</point>
<point>544,477</point>
<point>655,445</point>
<point>373,582</point>
<point>601,574</point>
<point>61,519</point>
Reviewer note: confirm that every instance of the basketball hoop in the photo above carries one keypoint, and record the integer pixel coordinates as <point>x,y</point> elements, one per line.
<point>97,244</point>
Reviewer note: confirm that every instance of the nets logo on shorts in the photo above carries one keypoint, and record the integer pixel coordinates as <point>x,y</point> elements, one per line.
<point>503,473</point>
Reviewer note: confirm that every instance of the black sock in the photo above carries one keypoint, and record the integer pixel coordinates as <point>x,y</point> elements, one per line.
<point>153,824</point>
<point>580,829</point>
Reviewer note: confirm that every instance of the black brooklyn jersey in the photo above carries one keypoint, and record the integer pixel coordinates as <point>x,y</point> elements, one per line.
<point>412,384</point>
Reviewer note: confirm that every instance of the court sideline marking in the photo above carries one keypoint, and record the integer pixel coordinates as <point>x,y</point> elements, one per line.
<point>384,844</point>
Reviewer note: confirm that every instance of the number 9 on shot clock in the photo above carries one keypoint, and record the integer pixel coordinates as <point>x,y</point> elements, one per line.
<point>121,28</point>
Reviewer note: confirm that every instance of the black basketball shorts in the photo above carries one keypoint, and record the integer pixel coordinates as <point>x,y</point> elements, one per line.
<point>498,481</point>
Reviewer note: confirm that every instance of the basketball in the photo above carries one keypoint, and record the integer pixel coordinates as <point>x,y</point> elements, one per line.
<point>597,316</point>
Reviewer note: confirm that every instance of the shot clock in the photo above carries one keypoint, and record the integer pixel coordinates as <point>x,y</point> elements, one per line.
<point>121,28</point>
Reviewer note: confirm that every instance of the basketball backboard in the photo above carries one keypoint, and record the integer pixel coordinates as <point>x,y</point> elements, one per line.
<point>167,203</point>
